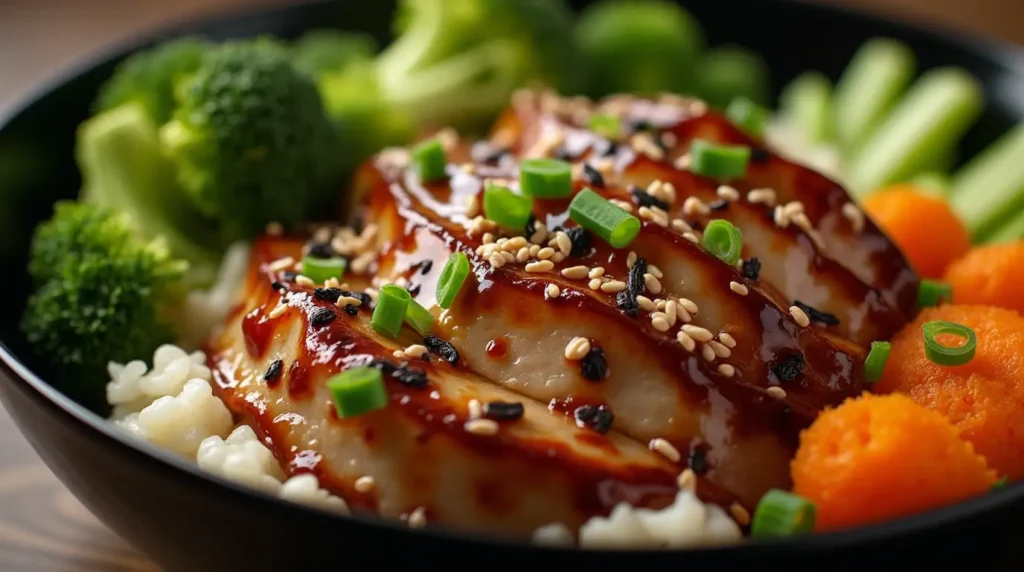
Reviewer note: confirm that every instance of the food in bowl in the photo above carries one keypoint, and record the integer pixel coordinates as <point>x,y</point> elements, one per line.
<point>626,321</point>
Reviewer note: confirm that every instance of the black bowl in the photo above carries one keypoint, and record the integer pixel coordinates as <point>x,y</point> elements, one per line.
<point>187,520</point>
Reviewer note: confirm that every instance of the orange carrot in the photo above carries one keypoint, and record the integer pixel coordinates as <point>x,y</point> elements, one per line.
<point>922,225</point>
<point>984,398</point>
<point>990,275</point>
<point>882,457</point>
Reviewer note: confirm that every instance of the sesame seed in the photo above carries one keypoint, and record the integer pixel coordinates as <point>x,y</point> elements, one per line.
<point>644,143</point>
<point>415,351</point>
<point>496,260</point>
<point>855,216</point>
<point>539,235</point>
<point>720,349</point>
<point>563,242</point>
<point>418,518</point>
<point>484,427</point>
<point>793,207</point>
<point>595,284</point>
<point>558,257</point>
<point>577,348</point>
<point>659,323</point>
<point>669,139</point>
<point>707,353</point>
<point>371,292</point>
<point>281,264</point>
<point>277,311</point>
<point>691,237</point>
<point>628,207</point>
<point>668,191</point>
<point>476,409</point>
<point>698,107</point>
<point>671,312</point>
<point>726,369</point>
<point>688,305</point>
<point>762,196</point>
<point>655,271</point>
<point>728,193</point>
<point>688,343</point>
<point>362,262</point>
<point>659,304</point>
<point>534,249</point>
<point>515,243</point>
<point>652,283</point>
<point>682,162</point>
<point>654,214</point>
<point>508,256</point>
<point>472,206</point>
<point>553,291</point>
<point>542,266</point>
<point>613,286</point>
<point>727,340</point>
<point>645,303</point>
<point>398,354</point>
<point>488,238</point>
<point>332,283</point>
<point>698,333</point>
<point>780,217</point>
<point>740,514</point>
<point>801,221</point>
<point>630,259</point>
<point>776,392</point>
<point>687,480</point>
<point>575,272</point>
<point>738,288</point>
<point>274,229</point>
<point>348,300</point>
<point>365,484</point>
<point>523,255</point>
<point>596,272</point>
<point>695,206</point>
<point>302,280</point>
<point>679,225</point>
<point>800,316</point>
<point>665,448</point>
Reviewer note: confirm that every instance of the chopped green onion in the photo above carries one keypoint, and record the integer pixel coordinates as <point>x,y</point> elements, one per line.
<point>874,365</point>
<point>430,160</point>
<point>748,116</point>
<point>606,125</point>
<point>389,313</point>
<point>545,178</point>
<point>945,355</point>
<point>718,161</point>
<point>505,207</point>
<point>357,391</point>
<point>455,272</point>
<point>780,513</point>
<point>1002,483</point>
<point>724,240</point>
<point>320,269</point>
<point>932,293</point>
<point>594,213</point>
<point>419,317</point>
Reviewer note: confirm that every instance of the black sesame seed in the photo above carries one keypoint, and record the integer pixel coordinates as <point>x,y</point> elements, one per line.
<point>642,198</point>
<point>351,310</point>
<point>321,250</point>
<point>817,315</point>
<point>581,241</point>
<point>759,154</point>
<point>695,225</point>
<point>385,367</point>
<point>638,125</point>
<point>594,366</point>
<point>485,152</point>
<point>528,228</point>
<point>425,357</point>
<point>626,299</point>
<point>627,303</point>
<point>563,154</point>
<point>596,417</point>
<point>609,149</point>
<point>410,377</point>
<point>414,290</point>
<point>289,276</point>
<point>789,367</point>
<point>278,286</point>
<point>425,265</point>
<point>442,348</point>
<point>592,176</point>
<point>364,298</point>
<point>503,411</point>
<point>718,205</point>
<point>274,371</point>
<point>321,316</point>
<point>698,461</point>
<point>752,268</point>
<point>327,294</point>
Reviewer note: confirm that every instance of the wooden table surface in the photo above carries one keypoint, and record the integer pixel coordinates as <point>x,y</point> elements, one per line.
<point>42,527</point>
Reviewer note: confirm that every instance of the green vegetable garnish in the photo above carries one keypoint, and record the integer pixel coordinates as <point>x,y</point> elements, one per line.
<point>871,84</point>
<point>718,161</point>
<point>358,391</point>
<point>806,105</point>
<point>319,270</point>
<point>545,178</point>
<point>780,513</point>
<point>727,72</point>
<point>945,355</point>
<point>328,50</point>
<point>454,274</point>
<point>748,116</point>
<point>594,213</point>
<point>988,192</point>
<point>389,312</point>
<point>724,240</point>
<point>874,365</point>
<point>932,293</point>
<point>505,207</point>
<point>607,126</point>
<point>419,318</point>
<point>430,160</point>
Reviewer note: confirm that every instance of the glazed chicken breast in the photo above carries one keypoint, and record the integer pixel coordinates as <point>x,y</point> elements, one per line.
<point>567,376</point>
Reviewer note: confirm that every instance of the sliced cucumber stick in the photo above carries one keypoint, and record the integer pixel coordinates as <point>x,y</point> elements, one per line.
<point>927,121</point>
<point>871,84</point>
<point>1012,230</point>
<point>989,190</point>
<point>806,105</point>
<point>933,181</point>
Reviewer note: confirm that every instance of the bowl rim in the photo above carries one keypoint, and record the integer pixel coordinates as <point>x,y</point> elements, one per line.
<point>1000,52</point>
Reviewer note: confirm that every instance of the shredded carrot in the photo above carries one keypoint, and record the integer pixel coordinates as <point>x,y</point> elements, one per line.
<point>923,226</point>
<point>984,398</point>
<point>990,275</point>
<point>882,457</point>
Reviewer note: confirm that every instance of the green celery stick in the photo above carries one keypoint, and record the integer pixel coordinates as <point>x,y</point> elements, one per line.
<point>930,119</point>
<point>871,84</point>
<point>1012,230</point>
<point>806,104</point>
<point>989,190</point>
<point>933,182</point>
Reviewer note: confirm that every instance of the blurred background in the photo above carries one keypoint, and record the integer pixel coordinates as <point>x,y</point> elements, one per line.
<point>41,526</point>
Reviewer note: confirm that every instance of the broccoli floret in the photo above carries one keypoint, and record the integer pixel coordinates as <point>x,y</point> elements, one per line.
<point>457,61</point>
<point>319,51</point>
<point>250,139</point>
<point>103,295</point>
<point>642,47</point>
<point>149,77</point>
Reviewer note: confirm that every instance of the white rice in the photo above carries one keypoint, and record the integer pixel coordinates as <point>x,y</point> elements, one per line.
<point>686,523</point>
